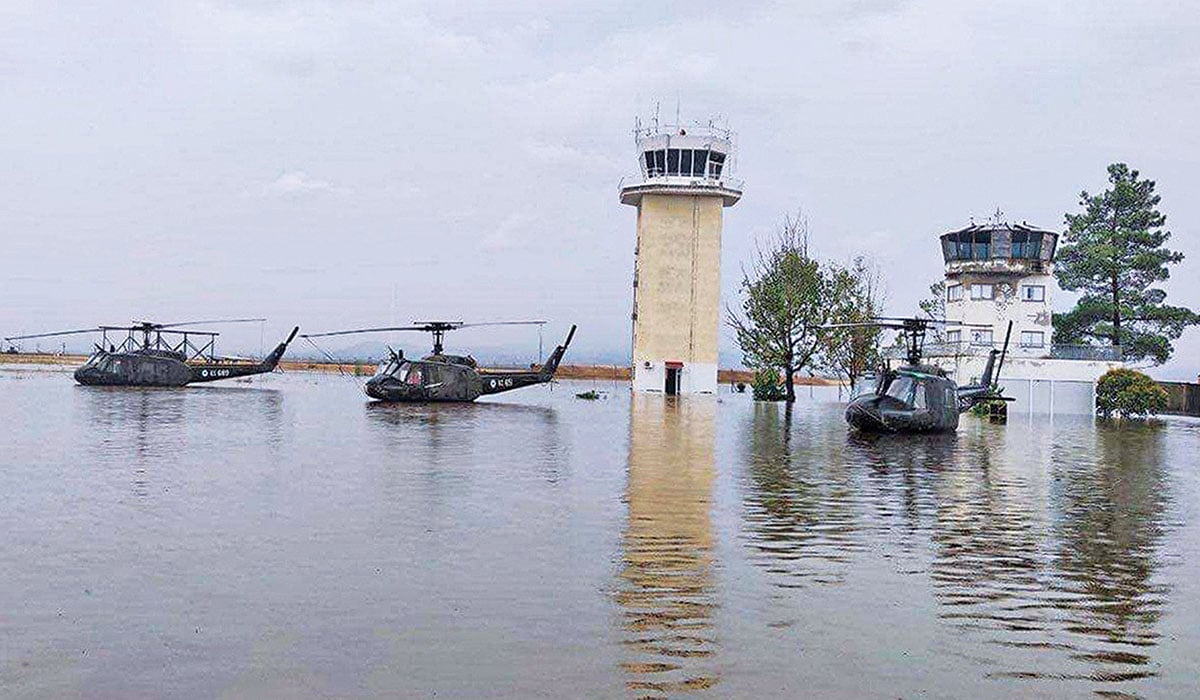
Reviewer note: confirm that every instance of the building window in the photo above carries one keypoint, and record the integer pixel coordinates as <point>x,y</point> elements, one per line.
<point>954,336</point>
<point>964,247</point>
<point>716,161</point>
<point>968,245</point>
<point>982,291</point>
<point>685,162</point>
<point>1026,245</point>
<point>954,292</point>
<point>1033,292</point>
<point>1033,339</point>
<point>981,247</point>
<point>672,161</point>
<point>981,336</point>
<point>659,167</point>
<point>698,162</point>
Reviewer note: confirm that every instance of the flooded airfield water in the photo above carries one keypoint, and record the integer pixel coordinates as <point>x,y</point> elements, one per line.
<point>285,538</point>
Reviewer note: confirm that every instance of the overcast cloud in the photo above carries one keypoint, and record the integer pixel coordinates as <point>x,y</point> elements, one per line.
<point>339,163</point>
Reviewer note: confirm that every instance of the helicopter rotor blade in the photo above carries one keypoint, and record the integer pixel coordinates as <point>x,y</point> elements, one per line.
<point>861,324</point>
<point>204,323</point>
<point>365,330</point>
<point>51,335</point>
<point>501,323</point>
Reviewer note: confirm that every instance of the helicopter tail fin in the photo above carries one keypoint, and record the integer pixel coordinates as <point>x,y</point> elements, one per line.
<point>556,357</point>
<point>988,388</point>
<point>990,379</point>
<point>986,379</point>
<point>272,360</point>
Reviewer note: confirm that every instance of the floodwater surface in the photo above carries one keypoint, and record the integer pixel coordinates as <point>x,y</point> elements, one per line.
<point>286,538</point>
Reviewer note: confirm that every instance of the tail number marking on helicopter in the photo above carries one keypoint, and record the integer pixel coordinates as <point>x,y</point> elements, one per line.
<point>214,373</point>
<point>504,383</point>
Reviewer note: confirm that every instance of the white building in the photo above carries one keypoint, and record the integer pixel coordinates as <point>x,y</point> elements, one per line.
<point>996,273</point>
<point>680,195</point>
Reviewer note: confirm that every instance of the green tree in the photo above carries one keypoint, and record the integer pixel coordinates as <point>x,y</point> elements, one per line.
<point>857,297</point>
<point>786,297</point>
<point>1114,254</point>
<point>1129,394</point>
<point>935,308</point>
<point>765,386</point>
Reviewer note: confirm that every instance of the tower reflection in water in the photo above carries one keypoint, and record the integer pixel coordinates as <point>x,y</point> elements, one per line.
<point>666,590</point>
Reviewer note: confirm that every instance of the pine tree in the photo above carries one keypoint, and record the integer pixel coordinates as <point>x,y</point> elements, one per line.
<point>1114,254</point>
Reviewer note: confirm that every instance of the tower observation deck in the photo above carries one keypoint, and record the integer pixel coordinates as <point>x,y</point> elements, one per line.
<point>684,184</point>
<point>996,273</point>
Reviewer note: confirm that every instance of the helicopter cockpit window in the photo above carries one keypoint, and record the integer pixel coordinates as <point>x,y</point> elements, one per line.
<point>390,367</point>
<point>919,395</point>
<point>413,376</point>
<point>902,388</point>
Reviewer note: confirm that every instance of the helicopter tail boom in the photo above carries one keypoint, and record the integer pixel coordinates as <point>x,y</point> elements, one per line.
<point>212,371</point>
<point>496,381</point>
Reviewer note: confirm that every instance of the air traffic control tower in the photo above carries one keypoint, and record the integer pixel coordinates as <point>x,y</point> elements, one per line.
<point>683,188</point>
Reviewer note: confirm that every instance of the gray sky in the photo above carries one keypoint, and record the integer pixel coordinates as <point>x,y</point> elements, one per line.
<point>333,163</point>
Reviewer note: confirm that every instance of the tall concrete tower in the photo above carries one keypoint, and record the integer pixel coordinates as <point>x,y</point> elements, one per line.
<point>683,188</point>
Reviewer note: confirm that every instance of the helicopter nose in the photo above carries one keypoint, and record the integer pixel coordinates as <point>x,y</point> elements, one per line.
<point>375,388</point>
<point>864,416</point>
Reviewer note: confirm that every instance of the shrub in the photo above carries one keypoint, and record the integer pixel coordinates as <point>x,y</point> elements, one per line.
<point>767,387</point>
<point>1129,394</point>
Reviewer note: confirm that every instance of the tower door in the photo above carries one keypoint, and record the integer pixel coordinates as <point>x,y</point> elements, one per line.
<point>671,387</point>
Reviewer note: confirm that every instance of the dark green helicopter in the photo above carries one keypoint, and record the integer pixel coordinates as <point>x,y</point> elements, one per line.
<point>144,357</point>
<point>439,377</point>
<point>920,398</point>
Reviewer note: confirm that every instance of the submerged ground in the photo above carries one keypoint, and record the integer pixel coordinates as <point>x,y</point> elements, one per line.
<point>284,538</point>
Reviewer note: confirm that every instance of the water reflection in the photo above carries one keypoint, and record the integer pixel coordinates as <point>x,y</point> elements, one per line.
<point>142,426</point>
<point>1109,530</point>
<point>1059,583</point>
<point>1041,543</point>
<point>667,592</point>
<point>799,502</point>
<point>446,434</point>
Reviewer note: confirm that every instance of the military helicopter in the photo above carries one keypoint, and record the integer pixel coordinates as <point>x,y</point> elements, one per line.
<point>920,398</point>
<point>162,354</point>
<point>442,377</point>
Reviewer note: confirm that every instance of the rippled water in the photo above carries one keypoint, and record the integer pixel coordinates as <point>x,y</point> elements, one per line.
<point>285,538</point>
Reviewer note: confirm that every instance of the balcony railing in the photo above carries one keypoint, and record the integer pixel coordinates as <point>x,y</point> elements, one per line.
<point>1055,351</point>
<point>1086,352</point>
<point>731,183</point>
